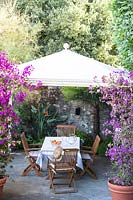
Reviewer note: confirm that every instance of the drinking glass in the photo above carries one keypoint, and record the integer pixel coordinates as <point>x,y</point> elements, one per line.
<point>72,139</point>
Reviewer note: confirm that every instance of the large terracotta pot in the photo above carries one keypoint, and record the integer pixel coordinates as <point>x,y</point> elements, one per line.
<point>119,192</point>
<point>2,183</point>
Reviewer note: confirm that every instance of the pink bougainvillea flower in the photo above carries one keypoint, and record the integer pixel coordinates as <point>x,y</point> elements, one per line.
<point>11,80</point>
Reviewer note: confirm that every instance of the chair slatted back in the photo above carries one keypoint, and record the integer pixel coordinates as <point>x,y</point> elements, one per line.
<point>69,159</point>
<point>96,144</point>
<point>25,144</point>
<point>66,130</point>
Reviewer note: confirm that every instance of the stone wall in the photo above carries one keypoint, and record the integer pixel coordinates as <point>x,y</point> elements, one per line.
<point>85,119</point>
<point>81,114</point>
<point>104,115</point>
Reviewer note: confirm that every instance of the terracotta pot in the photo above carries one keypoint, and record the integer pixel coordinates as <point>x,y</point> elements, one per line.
<point>119,192</point>
<point>2,182</point>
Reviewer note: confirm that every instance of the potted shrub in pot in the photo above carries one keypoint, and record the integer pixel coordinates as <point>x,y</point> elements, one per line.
<point>119,94</point>
<point>11,84</point>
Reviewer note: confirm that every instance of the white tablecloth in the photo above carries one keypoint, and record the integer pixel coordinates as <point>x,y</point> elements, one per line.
<point>48,148</point>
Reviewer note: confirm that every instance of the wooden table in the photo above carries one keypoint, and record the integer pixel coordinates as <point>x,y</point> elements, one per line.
<point>48,149</point>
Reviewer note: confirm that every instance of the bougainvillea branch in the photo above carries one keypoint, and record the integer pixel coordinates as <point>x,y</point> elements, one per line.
<point>118,92</point>
<point>12,83</point>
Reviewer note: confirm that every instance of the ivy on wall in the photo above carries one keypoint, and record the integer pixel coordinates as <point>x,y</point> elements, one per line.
<point>123,26</point>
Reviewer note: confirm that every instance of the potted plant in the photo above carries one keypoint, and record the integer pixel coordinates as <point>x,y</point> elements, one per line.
<point>12,83</point>
<point>3,178</point>
<point>118,92</point>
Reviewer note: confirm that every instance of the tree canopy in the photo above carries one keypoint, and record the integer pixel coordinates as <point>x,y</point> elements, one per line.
<point>83,24</point>
<point>18,37</point>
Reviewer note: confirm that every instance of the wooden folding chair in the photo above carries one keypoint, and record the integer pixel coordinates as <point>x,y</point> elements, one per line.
<point>65,130</point>
<point>87,153</point>
<point>31,155</point>
<point>58,170</point>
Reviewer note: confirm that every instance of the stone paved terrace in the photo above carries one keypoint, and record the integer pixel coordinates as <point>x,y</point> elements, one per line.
<point>32,187</point>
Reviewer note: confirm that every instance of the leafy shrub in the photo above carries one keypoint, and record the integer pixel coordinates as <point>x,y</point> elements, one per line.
<point>103,146</point>
<point>86,139</point>
<point>39,121</point>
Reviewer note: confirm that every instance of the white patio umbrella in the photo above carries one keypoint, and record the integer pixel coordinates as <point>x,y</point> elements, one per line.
<point>67,68</point>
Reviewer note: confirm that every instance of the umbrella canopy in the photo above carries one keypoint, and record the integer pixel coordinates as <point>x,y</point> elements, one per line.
<point>67,68</point>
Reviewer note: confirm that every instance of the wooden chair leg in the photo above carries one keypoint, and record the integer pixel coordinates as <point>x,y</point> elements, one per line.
<point>26,170</point>
<point>91,173</point>
<point>30,167</point>
<point>81,173</point>
<point>53,184</point>
<point>37,170</point>
<point>51,176</point>
<point>34,166</point>
<point>71,176</point>
<point>89,170</point>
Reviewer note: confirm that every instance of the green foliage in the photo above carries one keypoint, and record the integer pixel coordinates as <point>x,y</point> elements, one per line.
<point>123,27</point>
<point>38,117</point>
<point>86,140</point>
<point>74,93</point>
<point>38,10</point>
<point>44,118</point>
<point>84,25</point>
<point>103,146</point>
<point>18,37</point>
<point>40,122</point>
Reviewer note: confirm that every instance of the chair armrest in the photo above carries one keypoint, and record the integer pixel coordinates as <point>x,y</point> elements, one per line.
<point>86,147</point>
<point>33,149</point>
<point>86,151</point>
<point>51,159</point>
<point>33,145</point>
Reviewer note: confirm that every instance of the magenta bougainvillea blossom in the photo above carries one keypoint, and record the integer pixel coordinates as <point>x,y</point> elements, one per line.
<point>117,91</point>
<point>11,83</point>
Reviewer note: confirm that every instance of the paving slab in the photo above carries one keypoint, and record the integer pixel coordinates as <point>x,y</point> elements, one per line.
<point>32,187</point>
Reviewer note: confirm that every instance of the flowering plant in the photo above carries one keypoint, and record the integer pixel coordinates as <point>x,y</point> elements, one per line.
<point>11,84</point>
<point>118,92</point>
